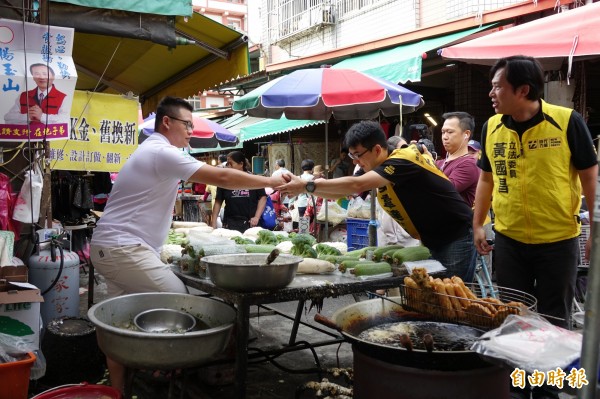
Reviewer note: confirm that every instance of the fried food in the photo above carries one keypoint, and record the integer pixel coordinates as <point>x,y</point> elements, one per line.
<point>501,315</point>
<point>421,277</point>
<point>479,314</point>
<point>456,305</point>
<point>443,299</point>
<point>452,299</point>
<point>466,290</point>
<point>461,295</point>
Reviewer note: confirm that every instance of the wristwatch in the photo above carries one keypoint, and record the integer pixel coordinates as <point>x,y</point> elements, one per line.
<point>310,187</point>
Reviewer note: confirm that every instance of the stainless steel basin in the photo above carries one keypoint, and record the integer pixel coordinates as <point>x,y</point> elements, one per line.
<point>248,272</point>
<point>162,321</point>
<point>120,340</point>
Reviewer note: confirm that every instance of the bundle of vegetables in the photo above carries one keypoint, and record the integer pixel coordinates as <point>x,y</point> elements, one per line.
<point>196,243</point>
<point>340,246</point>
<point>410,254</point>
<point>189,225</point>
<point>324,249</point>
<point>188,264</point>
<point>315,266</point>
<point>364,267</point>
<point>175,238</point>
<point>242,240</point>
<point>266,237</point>
<point>227,233</point>
<point>171,253</point>
<point>379,253</point>
<point>281,237</point>
<point>259,249</point>
<point>226,249</point>
<point>302,246</point>
<point>285,247</point>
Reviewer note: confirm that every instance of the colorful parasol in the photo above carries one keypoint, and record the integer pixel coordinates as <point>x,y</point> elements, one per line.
<point>206,133</point>
<point>318,94</point>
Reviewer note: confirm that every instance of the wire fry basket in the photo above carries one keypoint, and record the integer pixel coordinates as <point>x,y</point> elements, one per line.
<point>485,312</point>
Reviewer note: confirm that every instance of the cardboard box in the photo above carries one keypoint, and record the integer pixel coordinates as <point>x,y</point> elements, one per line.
<point>17,273</point>
<point>20,312</point>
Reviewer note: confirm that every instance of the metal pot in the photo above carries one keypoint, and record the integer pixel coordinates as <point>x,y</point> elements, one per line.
<point>121,341</point>
<point>249,273</point>
<point>356,318</point>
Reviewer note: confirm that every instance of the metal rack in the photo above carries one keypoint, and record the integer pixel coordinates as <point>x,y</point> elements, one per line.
<point>440,306</point>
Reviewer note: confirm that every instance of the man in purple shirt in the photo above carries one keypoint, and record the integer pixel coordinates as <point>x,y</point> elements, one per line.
<point>459,166</point>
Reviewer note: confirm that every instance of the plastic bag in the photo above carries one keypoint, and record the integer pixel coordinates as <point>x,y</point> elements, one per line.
<point>335,213</point>
<point>359,208</point>
<point>530,342</point>
<point>30,197</point>
<point>7,203</point>
<point>268,220</point>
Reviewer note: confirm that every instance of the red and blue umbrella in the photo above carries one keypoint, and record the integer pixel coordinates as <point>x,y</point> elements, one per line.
<point>320,93</point>
<point>206,133</point>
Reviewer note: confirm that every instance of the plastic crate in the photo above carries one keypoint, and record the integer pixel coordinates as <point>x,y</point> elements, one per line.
<point>357,231</point>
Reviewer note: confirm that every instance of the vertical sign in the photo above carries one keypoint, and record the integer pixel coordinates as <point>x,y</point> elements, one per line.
<point>37,81</point>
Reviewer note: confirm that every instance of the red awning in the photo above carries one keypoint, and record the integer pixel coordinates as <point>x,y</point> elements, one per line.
<point>553,39</point>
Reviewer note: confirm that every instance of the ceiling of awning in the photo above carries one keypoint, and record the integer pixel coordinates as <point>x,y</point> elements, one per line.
<point>273,126</point>
<point>151,71</point>
<point>402,63</point>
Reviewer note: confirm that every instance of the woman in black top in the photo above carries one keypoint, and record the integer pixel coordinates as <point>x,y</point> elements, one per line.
<point>243,207</point>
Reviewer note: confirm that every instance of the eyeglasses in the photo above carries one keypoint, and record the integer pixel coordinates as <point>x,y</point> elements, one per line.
<point>356,156</point>
<point>188,125</point>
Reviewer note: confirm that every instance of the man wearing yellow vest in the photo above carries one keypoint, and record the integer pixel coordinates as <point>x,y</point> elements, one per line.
<point>536,160</point>
<point>411,189</point>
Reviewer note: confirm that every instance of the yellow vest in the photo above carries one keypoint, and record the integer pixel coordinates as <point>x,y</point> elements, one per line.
<point>537,192</point>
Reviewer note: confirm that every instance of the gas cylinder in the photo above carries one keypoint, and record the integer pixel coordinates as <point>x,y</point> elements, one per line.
<point>59,286</point>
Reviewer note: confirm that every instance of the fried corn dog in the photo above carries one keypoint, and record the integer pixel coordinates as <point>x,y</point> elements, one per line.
<point>466,290</point>
<point>443,299</point>
<point>449,286</point>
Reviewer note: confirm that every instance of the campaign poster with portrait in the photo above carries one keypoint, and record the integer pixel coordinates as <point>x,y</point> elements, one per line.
<point>37,81</point>
<point>103,136</point>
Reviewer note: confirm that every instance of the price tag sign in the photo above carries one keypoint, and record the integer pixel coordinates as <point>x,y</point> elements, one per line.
<point>304,225</point>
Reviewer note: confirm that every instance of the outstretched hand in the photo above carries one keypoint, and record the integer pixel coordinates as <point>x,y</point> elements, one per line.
<point>278,180</point>
<point>293,185</point>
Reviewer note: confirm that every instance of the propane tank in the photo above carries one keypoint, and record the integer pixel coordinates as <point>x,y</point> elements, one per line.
<point>59,285</point>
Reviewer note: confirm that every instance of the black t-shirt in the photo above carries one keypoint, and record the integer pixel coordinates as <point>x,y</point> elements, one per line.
<point>240,204</point>
<point>435,208</point>
<point>579,138</point>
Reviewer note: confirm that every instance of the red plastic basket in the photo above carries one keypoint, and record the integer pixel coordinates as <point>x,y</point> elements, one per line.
<point>14,378</point>
<point>80,391</point>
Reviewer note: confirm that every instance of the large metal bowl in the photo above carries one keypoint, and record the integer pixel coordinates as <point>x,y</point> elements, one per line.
<point>120,340</point>
<point>163,321</point>
<point>248,272</point>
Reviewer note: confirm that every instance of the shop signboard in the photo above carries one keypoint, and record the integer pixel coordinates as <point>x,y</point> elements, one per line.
<point>103,134</point>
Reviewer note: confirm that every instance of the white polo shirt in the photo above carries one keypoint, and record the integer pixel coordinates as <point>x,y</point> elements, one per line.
<point>140,206</point>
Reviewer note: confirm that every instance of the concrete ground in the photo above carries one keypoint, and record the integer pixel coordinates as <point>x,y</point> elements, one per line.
<point>283,378</point>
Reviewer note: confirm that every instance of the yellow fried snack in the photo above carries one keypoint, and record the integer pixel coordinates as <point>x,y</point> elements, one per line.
<point>479,315</point>
<point>444,300</point>
<point>462,297</point>
<point>466,290</point>
<point>449,286</point>
<point>501,315</point>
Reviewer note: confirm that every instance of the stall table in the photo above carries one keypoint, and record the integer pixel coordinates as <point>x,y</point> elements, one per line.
<point>302,288</point>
